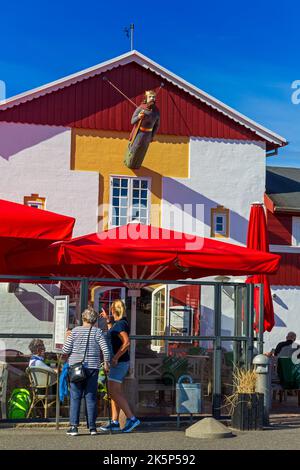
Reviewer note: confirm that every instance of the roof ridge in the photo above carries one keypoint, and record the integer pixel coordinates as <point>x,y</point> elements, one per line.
<point>282,167</point>
<point>144,61</point>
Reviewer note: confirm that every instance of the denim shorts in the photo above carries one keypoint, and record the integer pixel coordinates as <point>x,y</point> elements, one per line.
<point>117,373</point>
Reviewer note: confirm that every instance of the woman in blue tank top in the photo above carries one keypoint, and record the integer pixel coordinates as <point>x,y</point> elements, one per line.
<point>118,336</point>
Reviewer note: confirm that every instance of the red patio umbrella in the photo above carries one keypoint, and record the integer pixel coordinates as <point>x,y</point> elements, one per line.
<point>142,252</point>
<point>257,238</point>
<point>138,251</point>
<point>23,227</point>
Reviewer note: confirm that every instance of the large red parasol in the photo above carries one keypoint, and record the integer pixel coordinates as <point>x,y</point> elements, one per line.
<point>257,239</point>
<point>143,252</point>
<point>23,227</point>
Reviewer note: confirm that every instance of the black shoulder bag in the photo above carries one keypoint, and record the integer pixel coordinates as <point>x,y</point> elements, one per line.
<point>77,371</point>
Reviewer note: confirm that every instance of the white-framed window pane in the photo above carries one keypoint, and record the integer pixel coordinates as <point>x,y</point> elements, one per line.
<point>123,221</point>
<point>220,224</point>
<point>140,202</point>
<point>158,317</point>
<point>36,205</point>
<point>116,182</point>
<point>129,200</point>
<point>135,213</point>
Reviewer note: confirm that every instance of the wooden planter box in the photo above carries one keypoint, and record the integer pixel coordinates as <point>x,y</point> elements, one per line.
<point>249,413</point>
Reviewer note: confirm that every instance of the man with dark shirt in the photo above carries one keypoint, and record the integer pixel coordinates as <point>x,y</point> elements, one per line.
<point>286,348</point>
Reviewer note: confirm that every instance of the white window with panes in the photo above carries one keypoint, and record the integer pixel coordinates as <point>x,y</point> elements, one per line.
<point>220,224</point>
<point>129,200</point>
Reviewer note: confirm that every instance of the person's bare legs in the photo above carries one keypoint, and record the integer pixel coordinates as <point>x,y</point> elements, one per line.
<point>115,411</point>
<point>116,393</point>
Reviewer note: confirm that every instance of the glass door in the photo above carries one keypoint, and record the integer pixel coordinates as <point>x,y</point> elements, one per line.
<point>158,324</point>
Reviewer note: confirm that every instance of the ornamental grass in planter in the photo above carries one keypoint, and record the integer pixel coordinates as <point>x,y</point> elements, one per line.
<point>246,406</point>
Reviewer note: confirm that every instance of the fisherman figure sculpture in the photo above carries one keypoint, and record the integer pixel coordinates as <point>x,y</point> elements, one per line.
<point>146,122</point>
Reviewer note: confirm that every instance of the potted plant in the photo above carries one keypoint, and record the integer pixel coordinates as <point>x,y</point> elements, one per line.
<point>245,404</point>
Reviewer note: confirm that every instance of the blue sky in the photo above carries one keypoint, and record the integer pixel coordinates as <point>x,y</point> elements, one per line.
<point>245,54</point>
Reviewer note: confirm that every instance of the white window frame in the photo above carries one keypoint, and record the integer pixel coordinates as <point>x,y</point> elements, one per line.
<point>162,345</point>
<point>35,201</point>
<point>130,196</point>
<point>224,223</point>
<point>295,220</point>
<point>158,345</point>
<point>35,204</point>
<point>220,211</point>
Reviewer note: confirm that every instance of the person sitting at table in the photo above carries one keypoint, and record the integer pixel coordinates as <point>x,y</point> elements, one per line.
<point>288,347</point>
<point>37,358</point>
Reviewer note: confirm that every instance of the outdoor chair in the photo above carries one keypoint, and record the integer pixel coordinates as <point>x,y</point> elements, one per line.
<point>41,385</point>
<point>3,388</point>
<point>289,375</point>
<point>276,386</point>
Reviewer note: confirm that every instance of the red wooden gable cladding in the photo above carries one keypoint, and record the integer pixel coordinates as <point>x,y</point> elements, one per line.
<point>93,104</point>
<point>288,273</point>
<point>279,228</point>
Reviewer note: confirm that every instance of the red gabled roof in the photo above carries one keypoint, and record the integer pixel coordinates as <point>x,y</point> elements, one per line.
<point>84,100</point>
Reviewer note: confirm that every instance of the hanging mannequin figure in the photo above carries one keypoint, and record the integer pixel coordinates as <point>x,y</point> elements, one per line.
<point>146,122</point>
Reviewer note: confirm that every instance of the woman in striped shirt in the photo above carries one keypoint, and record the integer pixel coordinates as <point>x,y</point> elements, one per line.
<point>74,347</point>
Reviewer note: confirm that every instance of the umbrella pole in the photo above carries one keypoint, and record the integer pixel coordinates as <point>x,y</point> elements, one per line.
<point>84,294</point>
<point>260,345</point>
<point>57,412</point>
<point>133,293</point>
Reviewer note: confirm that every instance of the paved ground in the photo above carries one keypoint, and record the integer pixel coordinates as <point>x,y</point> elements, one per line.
<point>283,434</point>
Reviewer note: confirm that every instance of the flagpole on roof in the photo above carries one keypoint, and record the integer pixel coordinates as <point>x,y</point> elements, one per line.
<point>130,31</point>
<point>131,35</point>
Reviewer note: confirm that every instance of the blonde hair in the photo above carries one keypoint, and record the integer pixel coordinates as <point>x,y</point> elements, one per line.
<point>118,307</point>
